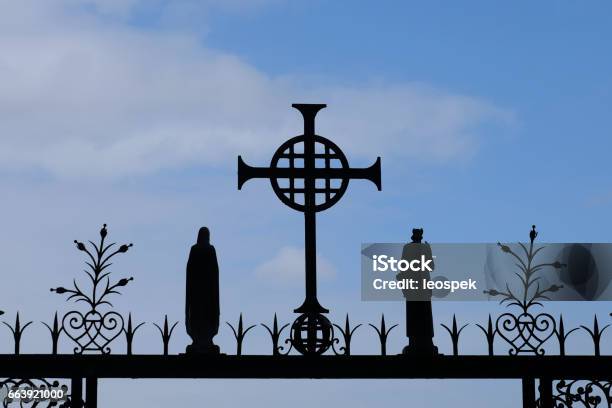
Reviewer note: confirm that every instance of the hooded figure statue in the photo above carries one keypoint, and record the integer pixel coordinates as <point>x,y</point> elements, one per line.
<point>202,295</point>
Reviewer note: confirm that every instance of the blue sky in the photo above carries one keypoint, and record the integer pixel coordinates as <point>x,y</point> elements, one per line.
<point>488,116</point>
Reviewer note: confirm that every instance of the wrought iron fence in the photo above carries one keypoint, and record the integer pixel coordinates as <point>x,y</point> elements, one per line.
<point>522,329</point>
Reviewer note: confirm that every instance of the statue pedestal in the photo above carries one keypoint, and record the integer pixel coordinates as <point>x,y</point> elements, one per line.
<point>202,349</point>
<point>421,351</point>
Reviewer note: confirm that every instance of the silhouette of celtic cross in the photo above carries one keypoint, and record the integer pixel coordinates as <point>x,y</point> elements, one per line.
<point>309,173</point>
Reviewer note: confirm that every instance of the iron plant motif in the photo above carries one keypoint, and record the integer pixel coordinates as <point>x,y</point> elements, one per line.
<point>17,331</point>
<point>95,329</point>
<point>239,334</point>
<point>347,336</point>
<point>166,333</point>
<point>275,333</point>
<point>309,173</point>
<point>525,331</point>
<point>383,334</point>
<point>455,332</point>
<point>596,334</point>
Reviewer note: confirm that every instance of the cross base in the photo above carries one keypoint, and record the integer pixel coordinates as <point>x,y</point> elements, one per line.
<point>311,306</point>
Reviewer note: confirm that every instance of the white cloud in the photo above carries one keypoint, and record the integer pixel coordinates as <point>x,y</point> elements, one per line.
<point>110,7</point>
<point>82,97</point>
<point>175,7</point>
<point>287,267</point>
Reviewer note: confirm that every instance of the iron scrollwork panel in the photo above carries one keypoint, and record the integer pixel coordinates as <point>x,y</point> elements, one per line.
<point>58,394</point>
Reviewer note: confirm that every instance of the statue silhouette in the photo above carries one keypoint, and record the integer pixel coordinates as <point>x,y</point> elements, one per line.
<point>202,295</point>
<point>419,316</point>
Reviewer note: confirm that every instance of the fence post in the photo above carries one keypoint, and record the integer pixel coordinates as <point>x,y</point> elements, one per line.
<point>91,392</point>
<point>528,393</point>
<point>76,392</point>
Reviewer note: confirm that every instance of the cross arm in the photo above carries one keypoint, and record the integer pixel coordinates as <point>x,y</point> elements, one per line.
<point>246,172</point>
<point>371,173</point>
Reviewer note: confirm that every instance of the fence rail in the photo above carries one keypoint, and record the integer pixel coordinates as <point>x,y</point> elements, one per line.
<point>324,367</point>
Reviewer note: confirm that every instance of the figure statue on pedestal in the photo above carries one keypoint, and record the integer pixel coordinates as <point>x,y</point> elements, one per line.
<point>202,295</point>
<point>419,317</point>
